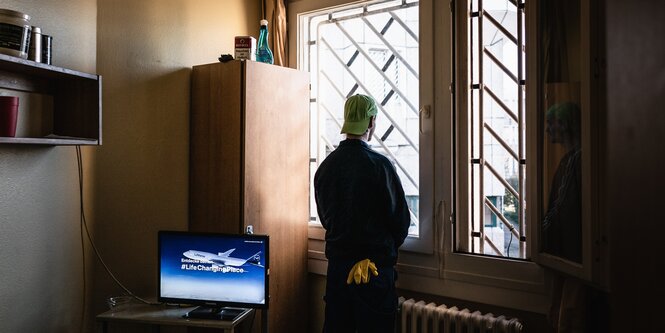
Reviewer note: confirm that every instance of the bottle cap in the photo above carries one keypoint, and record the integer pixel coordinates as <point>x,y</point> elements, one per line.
<point>264,22</point>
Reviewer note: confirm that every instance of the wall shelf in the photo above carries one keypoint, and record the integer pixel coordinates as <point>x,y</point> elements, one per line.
<point>77,103</point>
<point>55,141</point>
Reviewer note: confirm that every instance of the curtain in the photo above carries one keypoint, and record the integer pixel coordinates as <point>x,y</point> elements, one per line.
<point>555,47</point>
<point>275,12</point>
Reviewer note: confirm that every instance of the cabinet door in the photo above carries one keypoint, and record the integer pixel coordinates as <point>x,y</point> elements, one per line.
<point>276,183</point>
<point>215,148</point>
<point>569,121</point>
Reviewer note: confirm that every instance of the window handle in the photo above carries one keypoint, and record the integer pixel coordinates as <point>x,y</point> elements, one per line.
<point>424,112</point>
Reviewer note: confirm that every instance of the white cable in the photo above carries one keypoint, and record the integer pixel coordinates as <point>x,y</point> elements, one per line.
<point>92,243</point>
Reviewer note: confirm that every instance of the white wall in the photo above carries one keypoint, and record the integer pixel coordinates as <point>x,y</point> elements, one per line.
<point>145,53</point>
<point>136,183</point>
<point>41,286</point>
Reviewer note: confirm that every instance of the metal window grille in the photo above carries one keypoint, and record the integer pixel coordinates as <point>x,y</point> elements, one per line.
<point>497,66</point>
<point>372,49</point>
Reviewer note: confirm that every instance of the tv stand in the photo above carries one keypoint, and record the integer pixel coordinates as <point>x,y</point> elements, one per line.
<point>165,315</point>
<point>214,312</point>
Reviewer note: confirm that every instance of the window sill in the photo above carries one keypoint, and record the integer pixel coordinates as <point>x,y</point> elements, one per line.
<point>507,283</point>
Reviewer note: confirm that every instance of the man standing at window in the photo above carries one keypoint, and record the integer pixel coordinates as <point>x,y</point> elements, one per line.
<point>361,204</point>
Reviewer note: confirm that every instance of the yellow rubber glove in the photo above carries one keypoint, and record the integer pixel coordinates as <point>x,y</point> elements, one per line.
<point>360,272</point>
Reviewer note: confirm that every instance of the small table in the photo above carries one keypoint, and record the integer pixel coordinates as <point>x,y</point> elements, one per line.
<point>159,315</point>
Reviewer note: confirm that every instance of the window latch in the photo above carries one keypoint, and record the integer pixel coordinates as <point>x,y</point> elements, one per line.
<point>425,112</point>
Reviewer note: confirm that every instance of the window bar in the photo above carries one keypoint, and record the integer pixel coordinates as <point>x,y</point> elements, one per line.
<point>481,119</point>
<point>387,97</point>
<point>366,12</point>
<point>320,122</point>
<point>399,164</point>
<point>499,26</point>
<point>493,246</point>
<point>339,92</point>
<point>406,27</point>
<point>332,116</point>
<point>501,141</point>
<point>310,43</point>
<point>388,63</point>
<point>521,215</point>
<point>386,134</point>
<point>371,62</point>
<point>353,58</point>
<point>392,49</point>
<point>470,114</point>
<point>352,91</point>
<point>390,129</point>
<point>502,180</point>
<point>501,104</point>
<point>328,143</point>
<point>503,219</point>
<point>387,26</point>
<point>501,65</point>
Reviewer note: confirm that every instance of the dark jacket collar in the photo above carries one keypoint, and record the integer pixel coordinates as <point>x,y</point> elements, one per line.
<point>353,142</point>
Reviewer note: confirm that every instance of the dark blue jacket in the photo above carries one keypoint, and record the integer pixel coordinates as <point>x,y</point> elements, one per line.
<point>361,204</point>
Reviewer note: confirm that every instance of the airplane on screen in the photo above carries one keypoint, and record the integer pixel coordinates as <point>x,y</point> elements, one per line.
<point>223,258</point>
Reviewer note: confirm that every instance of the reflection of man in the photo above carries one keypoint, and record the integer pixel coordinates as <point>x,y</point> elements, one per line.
<point>361,205</point>
<point>562,228</point>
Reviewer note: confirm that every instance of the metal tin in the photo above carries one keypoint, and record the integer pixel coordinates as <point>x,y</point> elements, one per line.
<point>15,33</point>
<point>35,52</point>
<point>47,44</point>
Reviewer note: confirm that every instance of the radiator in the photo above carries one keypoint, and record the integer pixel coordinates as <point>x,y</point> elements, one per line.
<point>419,317</point>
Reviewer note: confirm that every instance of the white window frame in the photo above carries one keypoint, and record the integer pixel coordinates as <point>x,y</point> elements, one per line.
<point>425,241</point>
<point>479,269</point>
<point>440,271</point>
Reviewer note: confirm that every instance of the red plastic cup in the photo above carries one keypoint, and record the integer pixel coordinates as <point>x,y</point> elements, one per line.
<point>8,115</point>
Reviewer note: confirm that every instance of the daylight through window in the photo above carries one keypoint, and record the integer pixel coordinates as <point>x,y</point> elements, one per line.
<point>370,49</point>
<point>495,123</point>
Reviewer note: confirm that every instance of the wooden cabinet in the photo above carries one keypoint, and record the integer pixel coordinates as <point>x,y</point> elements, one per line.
<point>75,117</point>
<point>249,165</point>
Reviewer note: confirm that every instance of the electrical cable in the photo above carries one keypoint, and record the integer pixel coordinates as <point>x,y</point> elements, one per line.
<point>84,226</point>
<point>80,169</point>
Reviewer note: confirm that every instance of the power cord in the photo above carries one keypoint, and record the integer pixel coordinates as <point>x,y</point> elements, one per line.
<point>84,227</point>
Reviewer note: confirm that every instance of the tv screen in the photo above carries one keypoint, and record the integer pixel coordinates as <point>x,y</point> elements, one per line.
<point>213,269</point>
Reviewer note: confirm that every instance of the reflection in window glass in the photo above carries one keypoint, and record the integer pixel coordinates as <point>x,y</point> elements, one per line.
<point>561,226</point>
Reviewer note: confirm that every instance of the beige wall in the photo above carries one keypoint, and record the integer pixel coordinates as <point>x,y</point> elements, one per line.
<point>41,286</point>
<point>144,51</point>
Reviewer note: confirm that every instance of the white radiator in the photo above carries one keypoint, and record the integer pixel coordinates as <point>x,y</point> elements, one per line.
<point>418,317</point>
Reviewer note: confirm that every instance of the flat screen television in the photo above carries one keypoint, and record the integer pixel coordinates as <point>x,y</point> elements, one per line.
<point>213,270</point>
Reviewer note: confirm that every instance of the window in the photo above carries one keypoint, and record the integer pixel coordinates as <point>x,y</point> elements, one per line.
<point>373,49</point>
<point>433,126</point>
<point>491,125</point>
